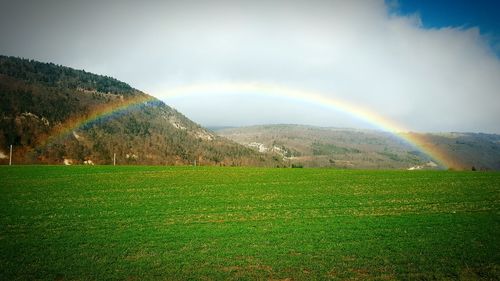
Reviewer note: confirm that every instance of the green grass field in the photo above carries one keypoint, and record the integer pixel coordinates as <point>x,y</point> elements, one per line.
<point>170,223</point>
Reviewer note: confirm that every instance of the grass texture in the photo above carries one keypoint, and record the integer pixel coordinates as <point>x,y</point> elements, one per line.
<point>212,223</point>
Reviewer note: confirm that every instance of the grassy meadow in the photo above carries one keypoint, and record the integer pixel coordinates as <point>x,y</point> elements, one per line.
<point>212,223</point>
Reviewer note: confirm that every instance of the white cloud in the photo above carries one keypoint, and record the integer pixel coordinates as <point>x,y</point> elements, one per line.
<point>428,79</point>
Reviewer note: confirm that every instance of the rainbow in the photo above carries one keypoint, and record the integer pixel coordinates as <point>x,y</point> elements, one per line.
<point>107,110</point>
<point>419,141</point>
<point>110,109</point>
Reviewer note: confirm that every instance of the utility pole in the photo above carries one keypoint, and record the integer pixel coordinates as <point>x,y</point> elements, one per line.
<point>10,156</point>
<point>114,159</point>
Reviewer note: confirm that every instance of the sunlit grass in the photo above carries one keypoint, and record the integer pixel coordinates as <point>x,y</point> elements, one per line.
<point>136,223</point>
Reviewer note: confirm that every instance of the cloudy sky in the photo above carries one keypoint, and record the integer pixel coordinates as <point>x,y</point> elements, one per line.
<point>432,66</point>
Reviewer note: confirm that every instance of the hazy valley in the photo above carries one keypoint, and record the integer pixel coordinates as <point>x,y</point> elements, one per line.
<point>345,148</point>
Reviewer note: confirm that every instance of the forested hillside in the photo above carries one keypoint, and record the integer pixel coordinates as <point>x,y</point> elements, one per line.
<point>55,114</point>
<point>311,146</point>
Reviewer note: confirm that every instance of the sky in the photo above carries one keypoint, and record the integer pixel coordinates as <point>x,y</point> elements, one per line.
<point>427,65</point>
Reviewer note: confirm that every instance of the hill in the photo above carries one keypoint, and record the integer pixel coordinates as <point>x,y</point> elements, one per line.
<point>55,114</point>
<point>364,149</point>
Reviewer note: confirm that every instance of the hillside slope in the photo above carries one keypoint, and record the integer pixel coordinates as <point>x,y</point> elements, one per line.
<point>55,114</point>
<point>365,149</point>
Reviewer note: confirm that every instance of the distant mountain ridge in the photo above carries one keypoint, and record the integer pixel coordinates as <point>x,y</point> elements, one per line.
<point>312,146</point>
<point>38,101</point>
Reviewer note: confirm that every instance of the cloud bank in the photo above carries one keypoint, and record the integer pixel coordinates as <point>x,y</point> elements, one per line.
<point>363,52</point>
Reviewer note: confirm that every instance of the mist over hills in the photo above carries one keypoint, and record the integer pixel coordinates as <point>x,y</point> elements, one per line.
<point>45,113</point>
